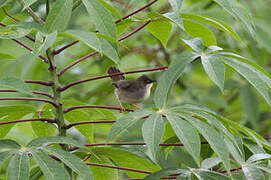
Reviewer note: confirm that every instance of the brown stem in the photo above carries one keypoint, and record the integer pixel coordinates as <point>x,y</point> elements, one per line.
<point>27,120</point>
<point>55,52</point>
<point>8,90</point>
<point>87,122</point>
<point>45,83</point>
<point>34,92</point>
<point>106,76</point>
<point>95,106</point>
<point>29,99</point>
<point>96,52</point>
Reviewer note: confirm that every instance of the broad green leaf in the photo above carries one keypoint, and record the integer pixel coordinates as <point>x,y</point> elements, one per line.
<point>86,130</point>
<point>163,173</point>
<point>3,2</point>
<point>215,69</point>
<point>101,173</point>
<point>4,156</point>
<point>213,22</point>
<point>196,45</point>
<point>215,139</point>
<point>71,161</point>
<point>253,173</point>
<point>109,51</point>
<point>53,140</point>
<point>126,122</point>
<point>203,174</point>
<point>187,135</point>
<point>89,38</point>
<point>123,25</point>
<point>51,169</point>
<point>18,168</point>
<point>10,113</point>
<point>59,16</point>
<point>42,43</point>
<point>6,56</point>
<point>127,159</point>
<point>169,77</point>
<point>28,3</point>
<point>102,18</point>
<point>184,176</point>
<point>111,8</point>
<point>16,84</point>
<point>159,27</point>
<point>176,5</point>
<point>7,144</point>
<point>258,157</point>
<point>174,17</point>
<point>152,131</point>
<point>13,31</point>
<point>239,12</point>
<point>210,162</point>
<point>250,106</point>
<point>195,29</point>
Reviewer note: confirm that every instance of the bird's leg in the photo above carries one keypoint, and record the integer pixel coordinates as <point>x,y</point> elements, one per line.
<point>121,107</point>
<point>135,106</point>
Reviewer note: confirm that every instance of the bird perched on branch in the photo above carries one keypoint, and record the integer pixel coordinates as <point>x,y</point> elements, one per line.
<point>131,92</point>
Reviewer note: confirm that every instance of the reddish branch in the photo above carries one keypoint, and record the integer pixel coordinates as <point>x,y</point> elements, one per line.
<point>27,120</point>
<point>34,92</point>
<point>29,99</point>
<point>106,76</point>
<point>55,52</point>
<point>45,83</point>
<point>88,122</point>
<point>96,52</point>
<point>135,12</point>
<point>95,106</point>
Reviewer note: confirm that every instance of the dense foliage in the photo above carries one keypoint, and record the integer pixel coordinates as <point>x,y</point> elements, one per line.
<point>208,116</point>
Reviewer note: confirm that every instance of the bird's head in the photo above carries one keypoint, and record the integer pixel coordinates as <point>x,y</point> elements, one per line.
<point>145,80</point>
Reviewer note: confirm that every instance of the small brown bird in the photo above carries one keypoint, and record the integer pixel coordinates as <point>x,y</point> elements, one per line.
<point>131,92</point>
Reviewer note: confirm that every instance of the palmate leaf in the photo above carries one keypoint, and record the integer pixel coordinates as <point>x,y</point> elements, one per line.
<point>4,156</point>
<point>7,144</point>
<point>18,167</point>
<point>71,161</point>
<point>152,131</point>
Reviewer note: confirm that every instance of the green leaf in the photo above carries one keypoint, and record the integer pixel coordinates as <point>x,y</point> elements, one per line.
<point>86,130</point>
<point>111,8</point>
<point>196,45</point>
<point>28,3</point>
<point>163,173</point>
<point>123,25</point>
<point>152,131</point>
<point>187,135</point>
<point>42,43</point>
<point>124,158</point>
<point>126,122</point>
<point>215,139</point>
<point>210,175</point>
<point>210,162</point>
<point>3,2</point>
<point>59,16</point>
<point>213,22</point>
<point>169,77</point>
<point>13,31</point>
<point>54,140</point>
<point>6,56</point>
<point>250,106</point>
<point>109,51</point>
<point>7,144</point>
<point>258,157</point>
<point>18,167</point>
<point>253,173</point>
<point>16,84</point>
<point>88,38</point>
<point>159,27</point>
<point>4,156</point>
<point>215,70</point>
<point>102,18</point>
<point>51,169</point>
<point>176,5</point>
<point>71,161</point>
<point>238,11</point>
<point>175,18</point>
<point>195,29</point>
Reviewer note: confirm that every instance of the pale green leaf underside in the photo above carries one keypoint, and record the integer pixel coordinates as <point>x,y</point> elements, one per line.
<point>18,168</point>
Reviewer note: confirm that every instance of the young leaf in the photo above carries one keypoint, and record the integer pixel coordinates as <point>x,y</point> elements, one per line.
<point>125,122</point>
<point>13,31</point>
<point>187,135</point>
<point>51,169</point>
<point>71,161</point>
<point>59,16</point>
<point>215,139</point>
<point>168,78</point>
<point>152,131</point>
<point>54,140</point>
<point>215,70</point>
<point>102,18</point>
<point>7,144</point>
<point>16,84</point>
<point>18,167</point>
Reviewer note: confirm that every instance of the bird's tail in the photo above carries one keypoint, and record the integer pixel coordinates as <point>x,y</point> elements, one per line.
<point>114,70</point>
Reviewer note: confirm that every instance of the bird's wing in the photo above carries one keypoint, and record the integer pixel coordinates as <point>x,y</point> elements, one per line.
<point>114,70</point>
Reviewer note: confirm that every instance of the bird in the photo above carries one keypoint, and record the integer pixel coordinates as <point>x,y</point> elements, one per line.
<point>131,92</point>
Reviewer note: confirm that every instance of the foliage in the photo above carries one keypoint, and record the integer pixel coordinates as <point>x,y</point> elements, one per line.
<point>208,117</point>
